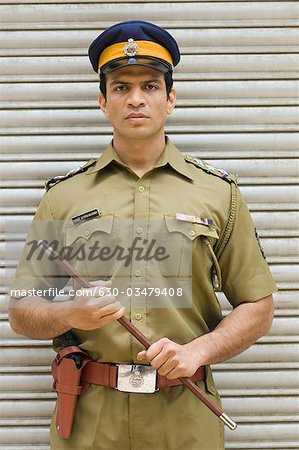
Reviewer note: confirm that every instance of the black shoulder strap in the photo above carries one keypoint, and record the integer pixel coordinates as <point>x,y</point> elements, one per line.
<point>50,183</point>
<point>208,168</point>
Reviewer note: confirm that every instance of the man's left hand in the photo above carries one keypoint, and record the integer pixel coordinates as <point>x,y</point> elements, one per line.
<point>170,359</point>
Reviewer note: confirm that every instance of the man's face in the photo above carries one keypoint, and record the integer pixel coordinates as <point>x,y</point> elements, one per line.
<point>136,103</point>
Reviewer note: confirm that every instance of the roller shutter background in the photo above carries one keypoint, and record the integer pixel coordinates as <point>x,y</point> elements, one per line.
<point>237,108</point>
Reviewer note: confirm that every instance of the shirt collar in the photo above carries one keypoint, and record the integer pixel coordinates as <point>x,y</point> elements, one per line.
<point>171,156</point>
<point>175,159</point>
<point>107,157</point>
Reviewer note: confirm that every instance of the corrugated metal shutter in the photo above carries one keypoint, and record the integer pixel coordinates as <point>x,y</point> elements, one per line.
<point>237,108</point>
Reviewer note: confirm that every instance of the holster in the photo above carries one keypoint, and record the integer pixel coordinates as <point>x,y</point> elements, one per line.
<point>67,370</point>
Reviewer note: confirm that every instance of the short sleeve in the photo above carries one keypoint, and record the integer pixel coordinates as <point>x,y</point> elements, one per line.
<point>36,273</point>
<point>245,273</point>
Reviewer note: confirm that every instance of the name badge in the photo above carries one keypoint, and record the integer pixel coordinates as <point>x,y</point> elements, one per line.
<point>86,216</point>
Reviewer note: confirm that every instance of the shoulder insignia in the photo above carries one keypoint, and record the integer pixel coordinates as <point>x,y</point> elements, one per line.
<point>55,180</point>
<point>221,173</point>
<point>257,236</point>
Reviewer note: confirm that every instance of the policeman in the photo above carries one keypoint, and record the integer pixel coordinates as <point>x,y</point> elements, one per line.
<point>131,218</point>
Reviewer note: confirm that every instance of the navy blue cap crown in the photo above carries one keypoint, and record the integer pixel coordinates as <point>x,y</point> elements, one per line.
<point>133,30</point>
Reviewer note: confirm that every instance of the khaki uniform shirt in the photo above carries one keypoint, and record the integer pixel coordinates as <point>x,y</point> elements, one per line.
<point>146,208</point>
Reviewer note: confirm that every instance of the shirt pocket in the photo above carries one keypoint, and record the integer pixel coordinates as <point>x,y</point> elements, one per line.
<point>89,245</point>
<point>179,239</point>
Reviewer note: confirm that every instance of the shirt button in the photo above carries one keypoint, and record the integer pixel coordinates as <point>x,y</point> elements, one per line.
<point>86,233</point>
<point>192,232</point>
<point>141,189</point>
<point>138,316</point>
<point>137,273</point>
<point>139,230</point>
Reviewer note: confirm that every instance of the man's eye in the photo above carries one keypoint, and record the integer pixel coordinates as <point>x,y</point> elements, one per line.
<point>151,87</point>
<point>121,88</point>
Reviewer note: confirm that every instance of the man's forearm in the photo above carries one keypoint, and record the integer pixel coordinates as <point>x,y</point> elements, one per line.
<point>235,333</point>
<point>38,318</point>
<point>91,308</point>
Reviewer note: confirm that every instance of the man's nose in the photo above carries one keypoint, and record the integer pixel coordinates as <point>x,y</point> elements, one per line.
<point>136,98</point>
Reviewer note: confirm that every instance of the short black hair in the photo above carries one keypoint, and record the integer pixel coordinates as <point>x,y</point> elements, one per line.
<point>167,76</point>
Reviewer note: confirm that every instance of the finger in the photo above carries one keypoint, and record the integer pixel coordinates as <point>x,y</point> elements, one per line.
<point>100,302</point>
<point>174,373</point>
<point>101,291</point>
<point>154,350</point>
<point>119,313</point>
<point>141,355</point>
<point>167,368</point>
<point>107,283</point>
<point>86,292</point>
<point>159,360</point>
<point>109,309</point>
<point>94,291</point>
<point>112,317</point>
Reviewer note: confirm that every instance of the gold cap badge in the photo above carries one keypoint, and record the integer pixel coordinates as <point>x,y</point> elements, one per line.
<point>131,48</point>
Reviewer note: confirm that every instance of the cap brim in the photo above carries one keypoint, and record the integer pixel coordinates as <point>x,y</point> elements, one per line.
<point>153,63</point>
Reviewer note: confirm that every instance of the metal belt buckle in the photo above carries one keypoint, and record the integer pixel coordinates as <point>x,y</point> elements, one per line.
<point>136,378</point>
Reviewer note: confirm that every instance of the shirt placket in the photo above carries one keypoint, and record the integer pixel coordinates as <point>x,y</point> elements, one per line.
<point>137,422</point>
<point>139,267</point>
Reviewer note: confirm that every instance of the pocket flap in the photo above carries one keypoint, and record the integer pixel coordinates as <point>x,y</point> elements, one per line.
<point>85,229</point>
<point>190,230</point>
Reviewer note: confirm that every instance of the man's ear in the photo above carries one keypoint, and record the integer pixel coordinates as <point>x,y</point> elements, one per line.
<point>103,104</point>
<point>171,101</point>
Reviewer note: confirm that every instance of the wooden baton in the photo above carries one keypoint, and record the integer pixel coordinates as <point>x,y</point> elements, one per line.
<point>67,267</point>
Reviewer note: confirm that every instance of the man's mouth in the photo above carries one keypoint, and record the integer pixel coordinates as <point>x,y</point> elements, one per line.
<point>136,116</point>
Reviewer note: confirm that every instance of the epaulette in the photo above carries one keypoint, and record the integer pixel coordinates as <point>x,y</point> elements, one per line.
<point>50,183</point>
<point>221,173</point>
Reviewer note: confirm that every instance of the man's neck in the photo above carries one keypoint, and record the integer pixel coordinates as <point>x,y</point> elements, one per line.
<point>140,155</point>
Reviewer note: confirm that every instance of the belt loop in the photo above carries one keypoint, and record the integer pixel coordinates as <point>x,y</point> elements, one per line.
<point>106,375</point>
<point>113,376</point>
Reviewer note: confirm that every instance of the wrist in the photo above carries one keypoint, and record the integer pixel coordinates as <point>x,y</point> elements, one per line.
<point>200,350</point>
<point>62,314</point>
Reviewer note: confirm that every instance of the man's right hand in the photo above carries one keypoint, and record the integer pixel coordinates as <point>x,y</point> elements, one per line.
<point>94,307</point>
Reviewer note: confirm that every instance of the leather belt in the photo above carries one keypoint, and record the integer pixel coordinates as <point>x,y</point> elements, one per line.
<point>71,380</point>
<point>106,374</point>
